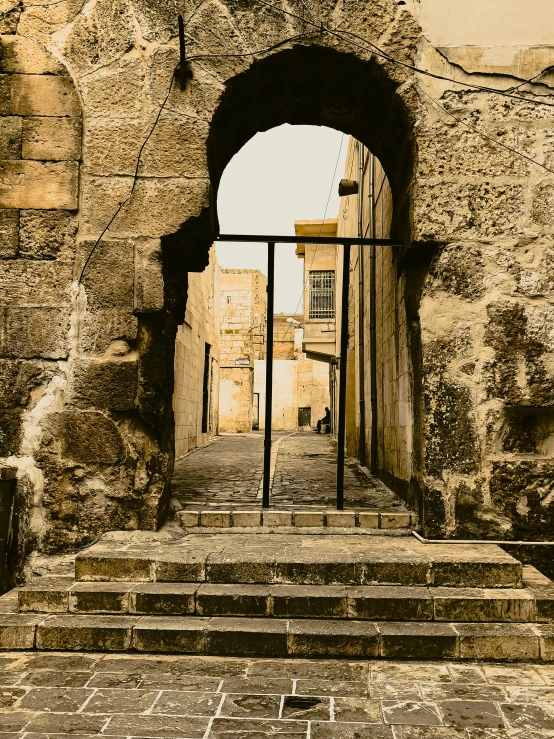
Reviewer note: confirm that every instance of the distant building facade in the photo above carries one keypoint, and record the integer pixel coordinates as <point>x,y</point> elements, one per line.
<point>243,306</point>
<point>300,385</point>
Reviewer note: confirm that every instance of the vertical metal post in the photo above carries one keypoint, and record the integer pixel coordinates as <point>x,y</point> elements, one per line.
<point>341,434</point>
<point>268,371</point>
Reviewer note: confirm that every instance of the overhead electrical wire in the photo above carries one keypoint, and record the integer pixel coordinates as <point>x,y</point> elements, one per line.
<point>378,51</point>
<point>339,33</point>
<point>135,178</point>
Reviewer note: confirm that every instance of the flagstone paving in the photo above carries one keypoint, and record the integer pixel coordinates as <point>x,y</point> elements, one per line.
<point>57,695</point>
<point>228,473</point>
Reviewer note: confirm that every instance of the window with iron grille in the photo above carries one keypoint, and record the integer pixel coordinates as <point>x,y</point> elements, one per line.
<point>322,293</point>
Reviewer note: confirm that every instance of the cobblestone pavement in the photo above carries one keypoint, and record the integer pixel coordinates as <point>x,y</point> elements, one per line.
<point>57,695</point>
<point>229,472</point>
<point>306,471</point>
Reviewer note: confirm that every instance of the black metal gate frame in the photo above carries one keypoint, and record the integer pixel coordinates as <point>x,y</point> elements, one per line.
<point>347,243</point>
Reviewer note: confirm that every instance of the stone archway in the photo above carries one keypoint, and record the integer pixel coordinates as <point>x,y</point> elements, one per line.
<point>104,439</point>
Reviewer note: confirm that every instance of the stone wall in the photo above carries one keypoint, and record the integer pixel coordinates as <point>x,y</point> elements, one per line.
<point>241,343</point>
<point>298,383</point>
<point>200,328</point>
<point>395,413</point>
<point>87,413</point>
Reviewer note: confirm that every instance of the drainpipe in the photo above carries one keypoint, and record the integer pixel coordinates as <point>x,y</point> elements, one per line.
<point>503,542</point>
<point>361,303</point>
<point>372,319</point>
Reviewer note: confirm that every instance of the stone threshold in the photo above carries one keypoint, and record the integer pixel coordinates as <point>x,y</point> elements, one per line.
<point>279,637</point>
<point>250,519</point>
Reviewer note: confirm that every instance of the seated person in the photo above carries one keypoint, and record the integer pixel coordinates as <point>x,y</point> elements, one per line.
<point>325,421</point>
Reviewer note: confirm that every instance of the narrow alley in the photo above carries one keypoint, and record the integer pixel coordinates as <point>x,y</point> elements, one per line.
<point>229,472</point>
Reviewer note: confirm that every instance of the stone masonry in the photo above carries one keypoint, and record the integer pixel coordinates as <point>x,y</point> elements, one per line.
<point>242,343</point>
<point>100,230</point>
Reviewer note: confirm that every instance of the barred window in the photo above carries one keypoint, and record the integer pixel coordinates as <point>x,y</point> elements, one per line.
<point>322,293</point>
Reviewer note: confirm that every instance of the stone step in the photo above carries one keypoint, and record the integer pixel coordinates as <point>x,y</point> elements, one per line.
<point>374,603</point>
<point>308,518</point>
<point>302,560</point>
<point>278,637</point>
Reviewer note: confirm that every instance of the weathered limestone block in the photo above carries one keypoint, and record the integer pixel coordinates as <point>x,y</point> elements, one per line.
<point>30,282</point>
<point>212,32</point>
<point>11,131</point>
<point>10,431</point>
<point>98,633</point>
<point>115,92</point>
<point>35,94</point>
<point>459,270</point>
<point>23,56</point>
<point>522,489</point>
<point>203,90</point>
<point>85,437</point>
<point>51,139</point>
<point>112,147</point>
<point>47,234</point>
<point>108,279</point>
<point>453,209</point>
<point>100,36</point>
<point>451,435</point>
<point>34,332</point>
<point>503,110</point>
<point>108,282</point>
<point>9,234</point>
<point>268,26</point>
<point>101,327</point>
<point>17,379</point>
<point>44,185</point>
<point>10,12</point>
<point>157,207</point>
<point>149,283</point>
<point>106,384</point>
<point>534,267</point>
<point>520,336</point>
<point>543,206</point>
<point>443,155</point>
<point>374,19</point>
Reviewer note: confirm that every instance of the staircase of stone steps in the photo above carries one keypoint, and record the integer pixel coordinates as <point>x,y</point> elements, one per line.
<point>347,596</point>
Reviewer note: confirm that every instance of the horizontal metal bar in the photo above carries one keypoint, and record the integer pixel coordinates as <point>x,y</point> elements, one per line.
<point>355,241</point>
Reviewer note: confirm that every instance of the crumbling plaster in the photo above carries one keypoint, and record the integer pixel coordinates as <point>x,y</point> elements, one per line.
<point>106,445</point>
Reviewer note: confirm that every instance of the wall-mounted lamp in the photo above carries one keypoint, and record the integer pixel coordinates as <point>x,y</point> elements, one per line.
<point>348,187</point>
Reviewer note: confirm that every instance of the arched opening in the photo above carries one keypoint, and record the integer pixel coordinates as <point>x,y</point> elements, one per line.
<point>322,87</point>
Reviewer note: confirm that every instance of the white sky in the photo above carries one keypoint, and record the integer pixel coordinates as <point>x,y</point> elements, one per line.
<point>279,176</point>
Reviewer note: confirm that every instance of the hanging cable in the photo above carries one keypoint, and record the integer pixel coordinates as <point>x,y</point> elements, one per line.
<point>156,121</point>
<point>135,178</point>
<point>340,33</point>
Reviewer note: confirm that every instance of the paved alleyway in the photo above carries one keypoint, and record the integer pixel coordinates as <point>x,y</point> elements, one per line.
<point>94,695</point>
<point>306,471</point>
<point>229,471</point>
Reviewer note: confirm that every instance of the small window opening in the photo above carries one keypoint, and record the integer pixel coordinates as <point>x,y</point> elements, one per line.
<point>322,294</point>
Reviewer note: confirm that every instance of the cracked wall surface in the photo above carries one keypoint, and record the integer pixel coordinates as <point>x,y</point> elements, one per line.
<point>87,364</point>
